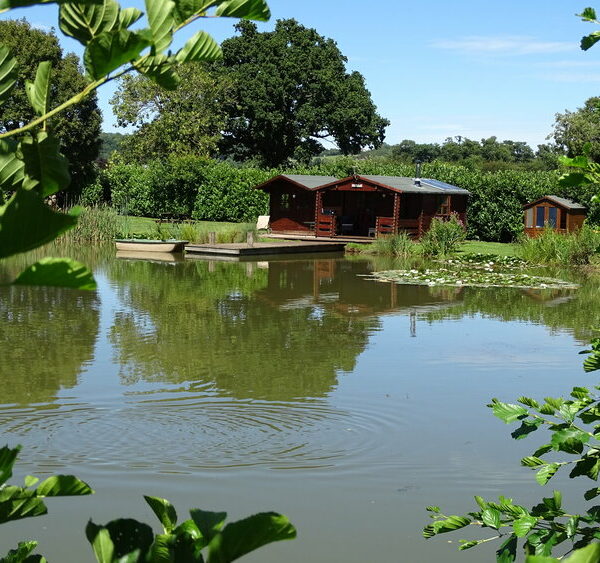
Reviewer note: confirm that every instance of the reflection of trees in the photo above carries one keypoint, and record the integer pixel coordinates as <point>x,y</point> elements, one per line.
<point>192,324</point>
<point>47,334</point>
<point>574,311</point>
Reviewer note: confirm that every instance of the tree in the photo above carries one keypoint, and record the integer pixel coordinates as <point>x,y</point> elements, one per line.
<point>573,129</point>
<point>291,89</point>
<point>185,121</point>
<point>78,128</point>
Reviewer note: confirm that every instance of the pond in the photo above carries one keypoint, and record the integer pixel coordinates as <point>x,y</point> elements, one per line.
<point>295,385</point>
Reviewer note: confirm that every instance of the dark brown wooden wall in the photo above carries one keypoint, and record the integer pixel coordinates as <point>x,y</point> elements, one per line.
<point>296,213</point>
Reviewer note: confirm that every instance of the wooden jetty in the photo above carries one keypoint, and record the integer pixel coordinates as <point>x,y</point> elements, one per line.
<point>264,248</point>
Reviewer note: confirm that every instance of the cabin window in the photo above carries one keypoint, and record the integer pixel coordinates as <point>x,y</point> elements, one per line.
<point>552,217</point>
<point>444,205</point>
<point>540,216</point>
<point>284,203</point>
<point>529,218</point>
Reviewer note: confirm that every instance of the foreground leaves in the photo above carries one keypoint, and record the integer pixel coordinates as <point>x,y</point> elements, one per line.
<point>58,272</point>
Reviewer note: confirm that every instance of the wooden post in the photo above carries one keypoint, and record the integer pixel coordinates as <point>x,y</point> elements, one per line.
<point>250,238</point>
<point>396,212</point>
<point>318,204</point>
<point>212,237</point>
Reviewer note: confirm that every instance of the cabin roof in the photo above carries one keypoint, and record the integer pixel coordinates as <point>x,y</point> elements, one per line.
<point>405,184</point>
<point>561,201</point>
<point>306,181</point>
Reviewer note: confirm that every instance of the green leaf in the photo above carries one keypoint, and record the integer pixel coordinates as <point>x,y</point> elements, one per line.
<point>160,69</point>
<point>200,47</point>
<point>507,552</point>
<point>569,440</point>
<point>128,17</point>
<point>592,362</point>
<point>546,473</point>
<point>30,480</point>
<point>555,403</point>
<point>162,22</point>
<point>588,14</point>
<point>573,179</point>
<point>111,49</point>
<point>588,466</point>
<point>9,73</point>
<point>8,457</point>
<point>481,502</point>
<point>11,167</point>
<point>209,523</point>
<point>467,544</point>
<point>247,9</point>
<point>547,409</point>
<point>571,527</point>
<point>528,402</point>
<point>130,539</point>
<point>38,91</point>
<point>557,499</point>
<point>491,517</point>
<point>447,525</point>
<point>84,21</point>
<point>577,162</point>
<point>588,554</point>
<point>164,511</point>
<point>26,222</point>
<point>532,461</point>
<point>17,503</point>
<point>58,272</point>
<point>507,412</point>
<point>46,170</point>
<point>523,525</point>
<point>63,486</point>
<point>590,40</point>
<point>241,537</point>
<point>435,509</point>
<point>526,428</point>
<point>591,493</point>
<point>21,554</point>
<point>101,542</point>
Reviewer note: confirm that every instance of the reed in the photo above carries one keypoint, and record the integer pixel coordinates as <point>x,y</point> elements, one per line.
<point>95,224</point>
<point>550,247</point>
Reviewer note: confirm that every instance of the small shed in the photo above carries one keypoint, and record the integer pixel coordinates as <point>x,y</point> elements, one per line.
<point>554,212</point>
<point>360,206</point>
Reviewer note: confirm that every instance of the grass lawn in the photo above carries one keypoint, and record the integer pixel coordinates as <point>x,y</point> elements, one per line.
<point>481,247</point>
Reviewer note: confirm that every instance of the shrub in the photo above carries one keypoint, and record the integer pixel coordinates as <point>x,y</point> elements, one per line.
<point>551,247</point>
<point>399,245</point>
<point>443,237</point>
<point>95,224</point>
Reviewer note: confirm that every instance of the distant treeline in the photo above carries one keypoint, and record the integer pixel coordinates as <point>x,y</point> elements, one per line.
<point>488,154</point>
<point>206,189</point>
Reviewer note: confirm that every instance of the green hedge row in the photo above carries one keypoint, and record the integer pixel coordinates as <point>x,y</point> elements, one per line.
<point>220,191</point>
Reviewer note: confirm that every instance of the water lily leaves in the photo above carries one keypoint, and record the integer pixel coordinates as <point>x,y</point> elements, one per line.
<point>111,49</point>
<point>26,222</point>
<point>162,22</point>
<point>84,21</point>
<point>9,73</point>
<point>38,91</point>
<point>200,47</point>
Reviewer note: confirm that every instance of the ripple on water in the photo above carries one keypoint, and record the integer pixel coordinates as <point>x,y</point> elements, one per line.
<point>194,432</point>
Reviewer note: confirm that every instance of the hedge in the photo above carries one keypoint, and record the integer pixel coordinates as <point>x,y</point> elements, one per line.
<point>221,191</point>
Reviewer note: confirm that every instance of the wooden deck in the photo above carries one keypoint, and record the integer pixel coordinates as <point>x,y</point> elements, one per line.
<point>264,248</point>
<point>321,239</point>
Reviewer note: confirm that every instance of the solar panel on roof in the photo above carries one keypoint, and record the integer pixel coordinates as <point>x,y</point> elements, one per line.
<point>438,184</point>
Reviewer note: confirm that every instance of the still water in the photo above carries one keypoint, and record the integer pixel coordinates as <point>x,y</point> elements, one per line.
<point>291,385</point>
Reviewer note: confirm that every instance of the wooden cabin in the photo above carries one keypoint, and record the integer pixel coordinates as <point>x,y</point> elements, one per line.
<point>555,212</point>
<point>360,206</point>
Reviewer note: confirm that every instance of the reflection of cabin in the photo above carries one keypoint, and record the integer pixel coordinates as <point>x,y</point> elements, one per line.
<point>555,212</point>
<point>359,206</point>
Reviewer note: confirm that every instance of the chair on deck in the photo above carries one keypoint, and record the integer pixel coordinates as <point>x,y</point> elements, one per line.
<point>262,223</point>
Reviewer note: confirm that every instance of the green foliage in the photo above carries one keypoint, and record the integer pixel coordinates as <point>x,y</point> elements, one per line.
<point>291,88</point>
<point>443,238</point>
<point>185,121</point>
<point>551,247</point>
<point>573,427</point>
<point>35,52</point>
<point>59,272</point>
<point>95,224</point>
<point>399,245</point>
<point>129,540</point>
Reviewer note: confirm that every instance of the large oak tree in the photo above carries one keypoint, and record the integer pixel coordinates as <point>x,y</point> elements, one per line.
<point>77,128</point>
<point>291,88</point>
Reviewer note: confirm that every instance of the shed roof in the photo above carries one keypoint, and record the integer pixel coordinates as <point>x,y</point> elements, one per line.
<point>562,201</point>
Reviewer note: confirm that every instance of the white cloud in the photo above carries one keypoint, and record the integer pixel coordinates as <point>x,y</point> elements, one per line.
<point>503,45</point>
<point>42,27</point>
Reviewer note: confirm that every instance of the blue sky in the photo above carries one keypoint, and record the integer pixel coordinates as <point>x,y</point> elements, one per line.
<point>437,68</point>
